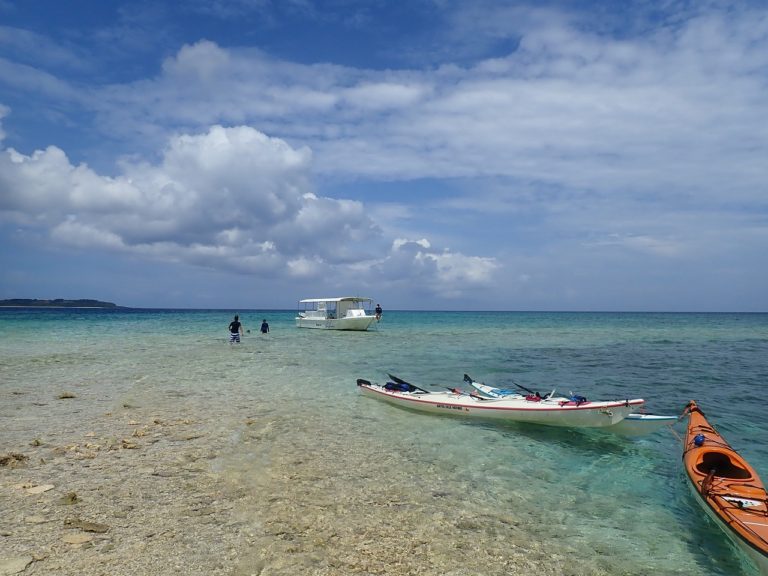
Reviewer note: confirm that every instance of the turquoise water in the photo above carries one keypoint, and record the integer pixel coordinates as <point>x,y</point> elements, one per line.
<point>599,503</point>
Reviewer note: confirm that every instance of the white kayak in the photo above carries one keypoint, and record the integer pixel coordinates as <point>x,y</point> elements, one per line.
<point>555,411</point>
<point>634,424</point>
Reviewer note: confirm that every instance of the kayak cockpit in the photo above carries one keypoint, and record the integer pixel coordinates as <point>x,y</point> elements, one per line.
<point>723,466</point>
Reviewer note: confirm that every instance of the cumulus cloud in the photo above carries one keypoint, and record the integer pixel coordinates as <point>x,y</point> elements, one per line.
<point>567,106</point>
<point>574,144</point>
<point>83,235</point>
<point>214,199</point>
<point>679,107</point>
<point>444,274</point>
<point>229,199</point>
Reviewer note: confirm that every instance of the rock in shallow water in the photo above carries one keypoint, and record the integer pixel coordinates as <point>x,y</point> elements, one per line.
<point>39,489</point>
<point>14,565</point>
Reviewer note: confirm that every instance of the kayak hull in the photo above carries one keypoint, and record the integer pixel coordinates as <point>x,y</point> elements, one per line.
<point>555,412</point>
<point>638,424</point>
<point>634,424</point>
<point>727,488</point>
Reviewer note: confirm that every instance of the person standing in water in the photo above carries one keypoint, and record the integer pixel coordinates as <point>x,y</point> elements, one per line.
<point>378,312</point>
<point>235,330</point>
<point>264,326</point>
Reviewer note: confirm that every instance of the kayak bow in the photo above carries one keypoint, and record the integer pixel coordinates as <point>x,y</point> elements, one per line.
<point>727,487</point>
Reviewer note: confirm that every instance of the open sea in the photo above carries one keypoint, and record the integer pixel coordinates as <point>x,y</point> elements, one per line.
<point>601,503</point>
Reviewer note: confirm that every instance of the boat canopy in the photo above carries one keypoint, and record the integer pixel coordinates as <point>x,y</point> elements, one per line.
<point>342,299</point>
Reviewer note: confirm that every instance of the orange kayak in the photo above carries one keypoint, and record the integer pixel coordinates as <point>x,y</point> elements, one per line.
<point>727,487</point>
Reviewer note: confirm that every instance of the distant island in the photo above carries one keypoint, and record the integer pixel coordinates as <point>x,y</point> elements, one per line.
<point>57,303</point>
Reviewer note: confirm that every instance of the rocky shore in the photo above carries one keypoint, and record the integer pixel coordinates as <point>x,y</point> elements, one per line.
<point>201,487</point>
<point>127,493</point>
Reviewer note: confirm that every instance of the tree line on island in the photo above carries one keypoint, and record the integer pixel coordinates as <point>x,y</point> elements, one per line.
<point>57,303</point>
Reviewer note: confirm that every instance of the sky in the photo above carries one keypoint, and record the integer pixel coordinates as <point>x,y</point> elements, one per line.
<point>430,154</point>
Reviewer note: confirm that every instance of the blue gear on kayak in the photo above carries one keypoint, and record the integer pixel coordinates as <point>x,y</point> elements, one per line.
<point>402,387</point>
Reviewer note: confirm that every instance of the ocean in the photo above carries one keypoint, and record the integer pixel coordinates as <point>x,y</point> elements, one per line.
<point>341,469</point>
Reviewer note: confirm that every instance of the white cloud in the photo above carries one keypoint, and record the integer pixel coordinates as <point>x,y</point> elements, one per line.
<point>564,94</point>
<point>400,242</point>
<point>229,199</point>
<point>305,268</point>
<point>445,274</point>
<point>31,46</point>
<point>82,235</point>
<point>666,247</point>
<point>201,62</point>
<point>45,185</point>
<point>221,193</point>
<point>574,147</point>
<point>385,95</point>
<point>566,108</point>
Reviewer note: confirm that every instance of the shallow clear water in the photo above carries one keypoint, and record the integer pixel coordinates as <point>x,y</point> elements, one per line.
<point>602,503</point>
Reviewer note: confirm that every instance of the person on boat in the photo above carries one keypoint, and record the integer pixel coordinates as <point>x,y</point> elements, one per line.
<point>264,326</point>
<point>378,311</point>
<point>235,330</point>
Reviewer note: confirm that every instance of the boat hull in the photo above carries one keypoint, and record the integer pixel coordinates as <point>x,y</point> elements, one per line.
<point>548,413</point>
<point>359,323</point>
<point>727,488</point>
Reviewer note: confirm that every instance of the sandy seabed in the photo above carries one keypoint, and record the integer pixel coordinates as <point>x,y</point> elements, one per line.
<point>197,488</point>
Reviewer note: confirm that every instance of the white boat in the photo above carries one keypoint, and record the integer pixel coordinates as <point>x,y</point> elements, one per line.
<point>552,411</point>
<point>344,313</point>
<point>634,424</point>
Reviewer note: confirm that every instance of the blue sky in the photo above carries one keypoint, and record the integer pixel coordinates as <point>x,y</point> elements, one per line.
<point>432,154</point>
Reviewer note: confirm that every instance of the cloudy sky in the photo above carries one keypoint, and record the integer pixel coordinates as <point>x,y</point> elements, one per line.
<point>432,154</point>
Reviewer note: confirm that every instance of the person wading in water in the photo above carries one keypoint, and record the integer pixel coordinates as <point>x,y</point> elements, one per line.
<point>235,330</point>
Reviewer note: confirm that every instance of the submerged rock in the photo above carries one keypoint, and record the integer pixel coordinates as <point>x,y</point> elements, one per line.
<point>69,498</point>
<point>14,565</point>
<point>13,460</point>
<point>85,525</point>
<point>39,489</point>
<point>77,538</point>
